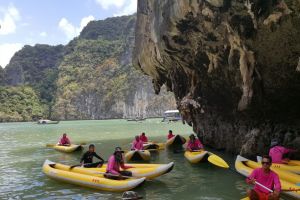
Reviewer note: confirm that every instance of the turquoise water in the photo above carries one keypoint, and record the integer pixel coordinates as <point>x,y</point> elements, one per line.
<point>23,151</point>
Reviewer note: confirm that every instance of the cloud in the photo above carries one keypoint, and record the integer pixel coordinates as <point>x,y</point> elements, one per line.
<point>7,51</point>
<point>106,4</point>
<point>43,34</point>
<point>72,31</point>
<point>128,8</point>
<point>8,18</point>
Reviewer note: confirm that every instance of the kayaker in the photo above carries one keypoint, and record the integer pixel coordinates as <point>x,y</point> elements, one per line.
<point>137,144</point>
<point>64,140</point>
<point>87,158</point>
<point>143,138</point>
<point>115,162</point>
<point>194,144</point>
<point>170,135</point>
<point>266,177</point>
<point>277,152</point>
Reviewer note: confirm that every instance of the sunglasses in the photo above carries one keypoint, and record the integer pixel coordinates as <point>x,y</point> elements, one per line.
<point>265,163</point>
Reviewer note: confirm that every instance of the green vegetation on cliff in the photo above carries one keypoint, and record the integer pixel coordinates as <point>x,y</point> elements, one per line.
<point>19,104</point>
<point>91,77</point>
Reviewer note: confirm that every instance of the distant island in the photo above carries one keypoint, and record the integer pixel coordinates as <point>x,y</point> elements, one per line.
<point>89,78</point>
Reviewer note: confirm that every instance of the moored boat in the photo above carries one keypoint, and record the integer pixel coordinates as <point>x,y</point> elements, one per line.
<point>46,121</point>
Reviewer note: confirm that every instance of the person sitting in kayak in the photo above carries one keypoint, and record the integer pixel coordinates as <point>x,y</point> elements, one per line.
<point>277,152</point>
<point>137,144</point>
<point>170,135</point>
<point>266,177</point>
<point>64,140</point>
<point>194,144</point>
<point>143,138</point>
<point>115,162</point>
<point>87,158</point>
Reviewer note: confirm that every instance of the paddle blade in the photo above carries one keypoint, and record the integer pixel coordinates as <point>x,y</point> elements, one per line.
<point>216,160</point>
<point>50,145</point>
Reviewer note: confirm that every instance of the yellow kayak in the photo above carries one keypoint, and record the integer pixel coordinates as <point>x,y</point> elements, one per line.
<point>63,173</point>
<point>292,166</point>
<point>245,167</point>
<point>137,155</point>
<point>195,156</point>
<point>149,171</point>
<point>68,149</point>
<point>175,141</point>
<point>154,145</point>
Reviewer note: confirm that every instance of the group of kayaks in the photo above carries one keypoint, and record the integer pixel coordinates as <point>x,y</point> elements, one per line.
<point>289,174</point>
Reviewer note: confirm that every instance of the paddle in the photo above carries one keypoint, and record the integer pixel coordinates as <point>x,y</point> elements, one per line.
<point>52,145</point>
<point>218,161</point>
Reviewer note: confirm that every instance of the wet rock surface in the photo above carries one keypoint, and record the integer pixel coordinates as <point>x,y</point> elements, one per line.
<point>232,65</point>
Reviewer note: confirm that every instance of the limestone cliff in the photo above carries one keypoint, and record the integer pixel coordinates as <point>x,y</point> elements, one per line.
<point>233,66</point>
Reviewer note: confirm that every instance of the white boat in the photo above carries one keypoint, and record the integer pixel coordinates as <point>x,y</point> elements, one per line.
<point>47,121</point>
<point>171,116</point>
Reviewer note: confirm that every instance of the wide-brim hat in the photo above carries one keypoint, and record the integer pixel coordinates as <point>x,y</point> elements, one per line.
<point>131,195</point>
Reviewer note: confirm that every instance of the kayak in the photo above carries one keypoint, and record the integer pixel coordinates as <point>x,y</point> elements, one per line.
<point>149,171</point>
<point>245,167</point>
<point>68,149</point>
<point>153,145</point>
<point>137,155</point>
<point>63,173</point>
<point>175,141</point>
<point>195,156</point>
<point>292,166</point>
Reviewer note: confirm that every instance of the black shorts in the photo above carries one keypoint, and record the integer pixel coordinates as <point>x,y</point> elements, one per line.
<point>116,177</point>
<point>93,165</point>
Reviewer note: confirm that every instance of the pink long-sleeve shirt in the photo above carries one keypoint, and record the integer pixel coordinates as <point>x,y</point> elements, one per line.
<point>64,141</point>
<point>170,136</point>
<point>137,145</point>
<point>270,180</point>
<point>113,167</point>
<point>196,145</point>
<point>143,138</point>
<point>277,153</point>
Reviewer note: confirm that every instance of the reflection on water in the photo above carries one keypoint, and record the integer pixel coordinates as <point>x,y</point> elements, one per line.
<point>22,153</point>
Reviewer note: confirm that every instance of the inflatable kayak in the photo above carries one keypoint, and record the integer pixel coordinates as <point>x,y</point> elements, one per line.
<point>195,156</point>
<point>153,146</point>
<point>176,141</point>
<point>138,155</point>
<point>63,173</point>
<point>149,171</point>
<point>68,149</point>
<point>245,167</point>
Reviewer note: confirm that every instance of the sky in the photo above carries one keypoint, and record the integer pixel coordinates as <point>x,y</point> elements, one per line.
<point>28,22</point>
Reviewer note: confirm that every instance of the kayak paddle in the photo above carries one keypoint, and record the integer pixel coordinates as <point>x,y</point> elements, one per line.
<point>218,161</point>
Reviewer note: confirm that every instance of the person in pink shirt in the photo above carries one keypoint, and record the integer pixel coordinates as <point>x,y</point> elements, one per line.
<point>277,152</point>
<point>137,144</point>
<point>143,138</point>
<point>170,135</point>
<point>266,177</point>
<point>64,140</point>
<point>194,144</point>
<point>115,164</point>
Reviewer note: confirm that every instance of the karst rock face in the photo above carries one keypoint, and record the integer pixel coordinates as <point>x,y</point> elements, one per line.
<point>233,65</point>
